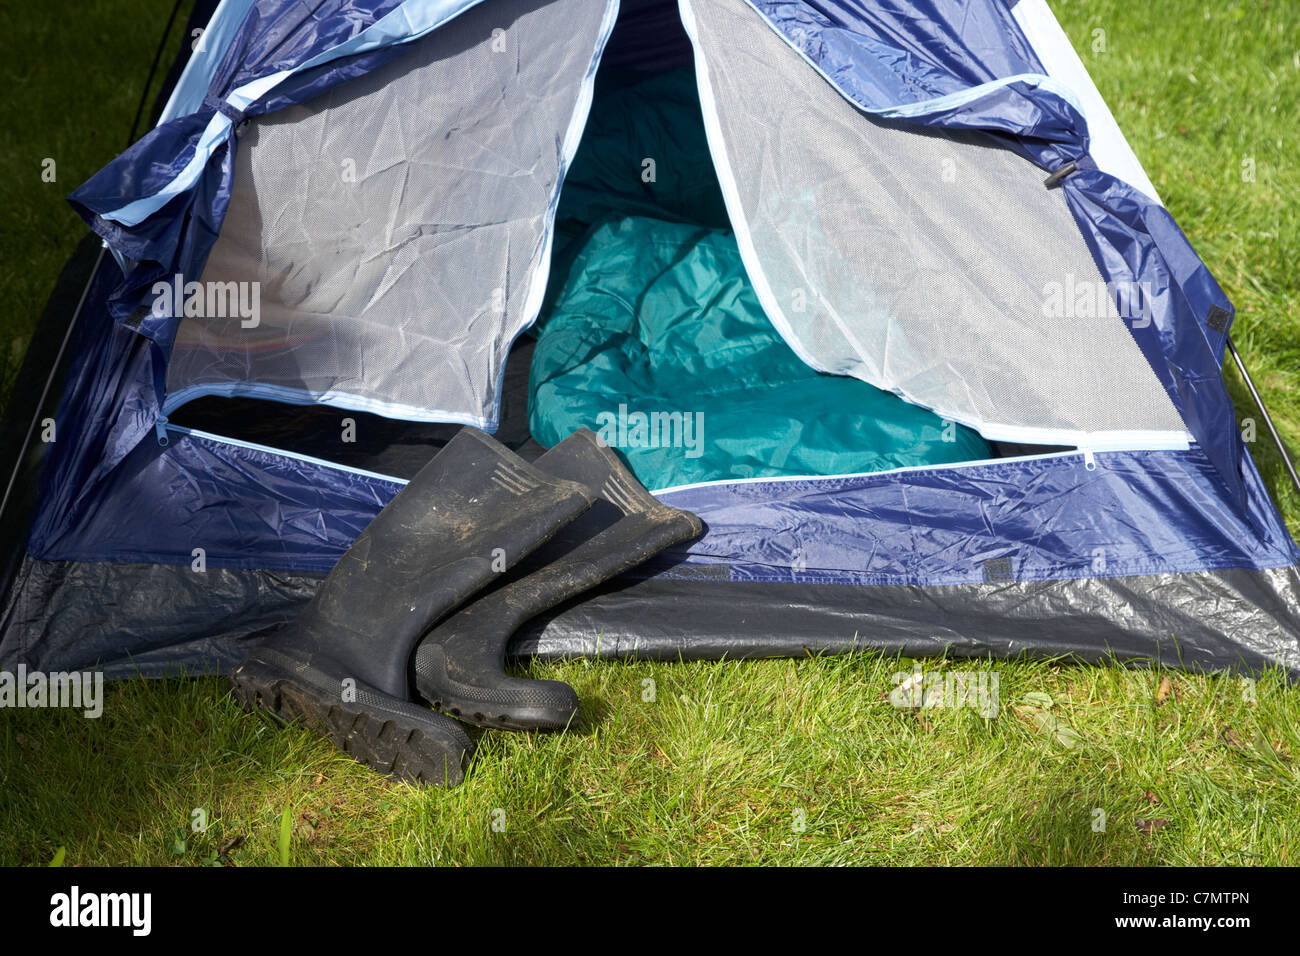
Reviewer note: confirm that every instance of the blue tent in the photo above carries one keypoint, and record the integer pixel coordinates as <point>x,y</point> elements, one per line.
<point>335,245</point>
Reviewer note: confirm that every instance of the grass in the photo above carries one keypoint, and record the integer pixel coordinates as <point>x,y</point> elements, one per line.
<point>74,73</point>
<point>792,762</point>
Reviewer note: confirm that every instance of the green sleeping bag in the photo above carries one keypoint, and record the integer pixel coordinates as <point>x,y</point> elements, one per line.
<point>655,340</point>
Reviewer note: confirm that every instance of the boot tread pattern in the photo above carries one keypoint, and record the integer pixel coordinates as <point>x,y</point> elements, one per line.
<point>404,752</point>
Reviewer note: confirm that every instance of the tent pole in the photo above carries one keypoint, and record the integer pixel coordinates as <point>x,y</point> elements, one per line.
<point>1268,419</point>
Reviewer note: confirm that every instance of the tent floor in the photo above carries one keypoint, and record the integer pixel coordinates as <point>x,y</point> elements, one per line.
<point>54,619</point>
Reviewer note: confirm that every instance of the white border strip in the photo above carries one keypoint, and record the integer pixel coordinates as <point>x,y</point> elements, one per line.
<point>192,86</point>
<point>946,466</point>
<point>281,453</point>
<point>924,107</point>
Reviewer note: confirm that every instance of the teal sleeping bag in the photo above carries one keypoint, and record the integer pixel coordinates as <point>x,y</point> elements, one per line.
<point>655,340</point>
<point>644,153</point>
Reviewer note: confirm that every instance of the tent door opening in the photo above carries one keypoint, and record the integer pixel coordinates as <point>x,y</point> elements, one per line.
<point>651,331</point>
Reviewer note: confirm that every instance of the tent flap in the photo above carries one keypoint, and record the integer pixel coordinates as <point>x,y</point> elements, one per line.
<point>962,69</point>
<point>400,236</point>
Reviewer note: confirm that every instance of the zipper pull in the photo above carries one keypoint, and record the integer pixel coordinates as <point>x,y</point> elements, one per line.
<point>1089,460</point>
<point>160,430</point>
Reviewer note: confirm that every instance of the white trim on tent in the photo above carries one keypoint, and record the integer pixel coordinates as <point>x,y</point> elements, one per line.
<point>280,453</point>
<point>1088,459</point>
<point>187,96</point>
<point>1109,149</point>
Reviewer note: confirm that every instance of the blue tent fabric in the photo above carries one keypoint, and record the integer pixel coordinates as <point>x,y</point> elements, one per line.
<point>112,492</point>
<point>947,63</point>
<point>1146,511</point>
<point>108,407</point>
<point>1052,518</point>
<point>244,507</point>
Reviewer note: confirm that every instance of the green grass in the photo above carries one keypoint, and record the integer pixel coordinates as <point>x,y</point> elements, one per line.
<point>729,758</point>
<point>73,76</point>
<point>792,762</point>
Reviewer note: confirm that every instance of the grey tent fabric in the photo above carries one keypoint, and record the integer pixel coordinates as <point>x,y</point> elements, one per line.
<point>928,264</point>
<point>399,225</point>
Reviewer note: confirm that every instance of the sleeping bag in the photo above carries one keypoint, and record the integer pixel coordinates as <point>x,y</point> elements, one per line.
<point>656,341</point>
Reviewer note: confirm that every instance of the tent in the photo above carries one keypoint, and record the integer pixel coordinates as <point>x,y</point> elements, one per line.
<point>954,372</point>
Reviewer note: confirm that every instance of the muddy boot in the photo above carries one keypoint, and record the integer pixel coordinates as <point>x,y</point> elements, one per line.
<point>343,667</point>
<point>459,667</point>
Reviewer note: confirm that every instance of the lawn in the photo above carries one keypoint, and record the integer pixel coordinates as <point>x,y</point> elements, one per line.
<point>777,762</point>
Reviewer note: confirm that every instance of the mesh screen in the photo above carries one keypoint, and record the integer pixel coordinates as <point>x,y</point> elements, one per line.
<point>396,224</point>
<point>923,262</point>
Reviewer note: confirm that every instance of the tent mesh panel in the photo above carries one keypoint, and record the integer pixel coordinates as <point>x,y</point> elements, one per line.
<point>923,262</point>
<point>396,224</point>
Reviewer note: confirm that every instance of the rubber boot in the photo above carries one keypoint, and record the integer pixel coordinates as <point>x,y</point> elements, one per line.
<point>343,667</point>
<point>459,666</point>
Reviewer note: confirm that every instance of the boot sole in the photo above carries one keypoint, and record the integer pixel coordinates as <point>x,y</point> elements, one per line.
<point>385,734</point>
<point>501,709</point>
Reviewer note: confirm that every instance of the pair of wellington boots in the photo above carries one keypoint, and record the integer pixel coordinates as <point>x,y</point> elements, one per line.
<point>476,544</point>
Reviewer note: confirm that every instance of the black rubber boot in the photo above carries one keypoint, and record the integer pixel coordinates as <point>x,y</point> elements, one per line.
<point>343,667</point>
<point>459,667</point>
